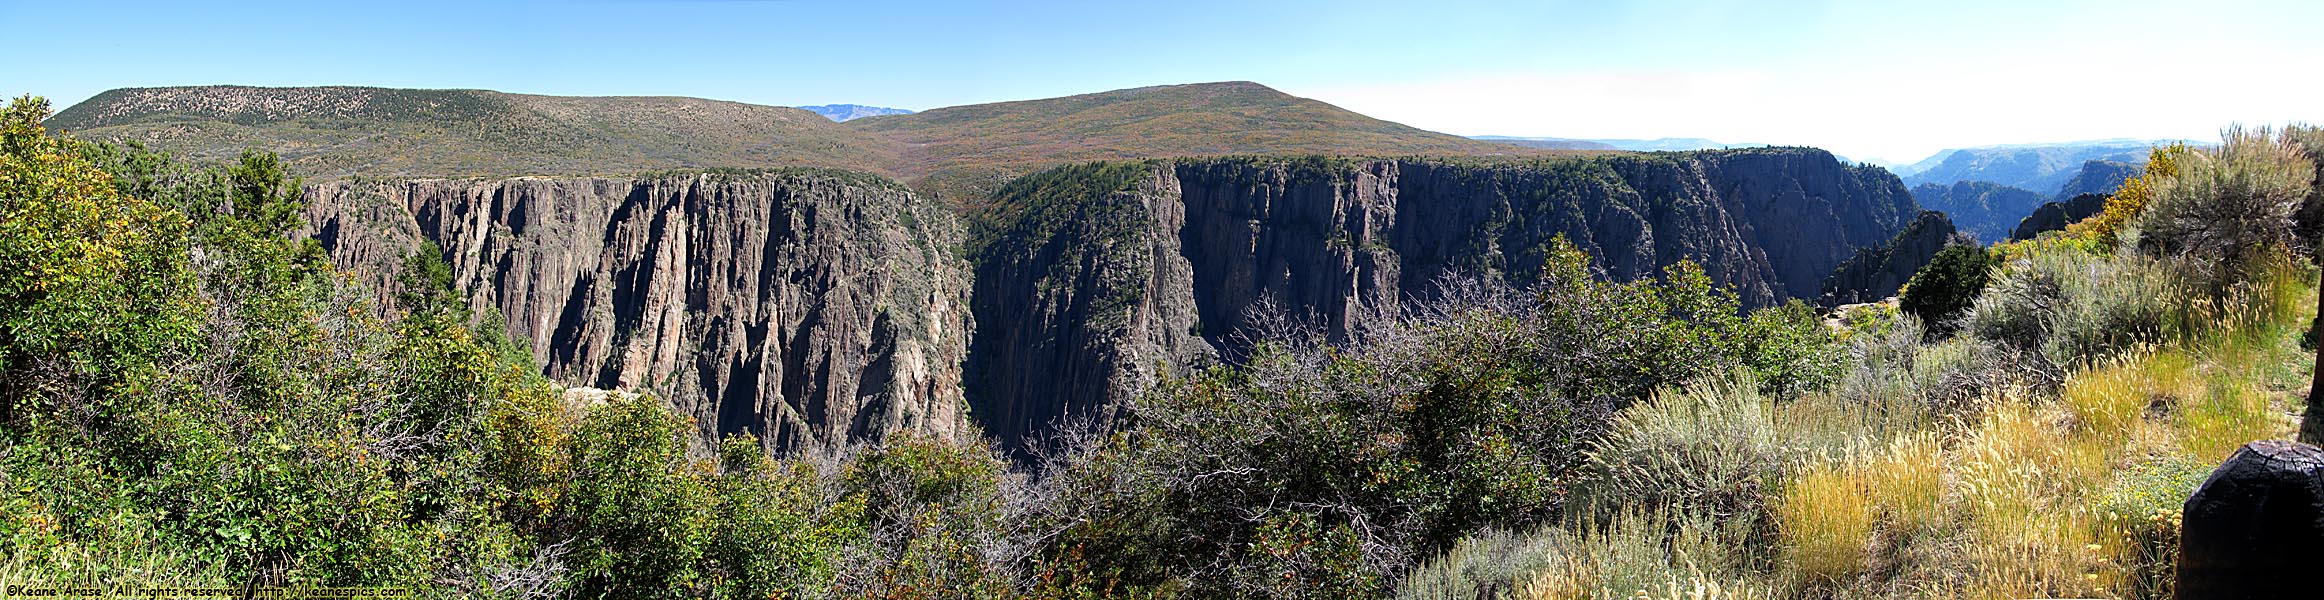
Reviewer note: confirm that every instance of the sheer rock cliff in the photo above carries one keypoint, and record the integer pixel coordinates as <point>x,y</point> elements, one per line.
<point>1110,275</point>
<point>805,306</point>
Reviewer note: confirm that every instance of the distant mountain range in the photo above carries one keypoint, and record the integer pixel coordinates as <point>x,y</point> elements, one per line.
<point>848,112</point>
<point>1653,145</point>
<point>1994,212</point>
<point>1982,209</point>
<point>2043,168</point>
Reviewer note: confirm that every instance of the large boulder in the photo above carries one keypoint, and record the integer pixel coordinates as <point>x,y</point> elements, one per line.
<point>2256,527</point>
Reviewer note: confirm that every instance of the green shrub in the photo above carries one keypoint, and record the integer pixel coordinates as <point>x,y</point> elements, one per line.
<point>639,510</point>
<point>2228,205</point>
<point>1790,350</point>
<point>2069,307</point>
<point>1490,563</point>
<point>2142,505</point>
<point>1470,415</point>
<point>935,515</point>
<point>1706,448</point>
<point>782,526</point>
<point>1944,288</point>
<point>96,289</point>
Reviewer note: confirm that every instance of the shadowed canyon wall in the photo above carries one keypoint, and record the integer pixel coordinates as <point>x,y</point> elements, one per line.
<point>814,307</point>
<point>1111,273</point>
<point>806,307</point>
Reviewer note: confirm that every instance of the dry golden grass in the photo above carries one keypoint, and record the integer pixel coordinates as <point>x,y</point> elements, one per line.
<point>1907,483</point>
<point>116,572</point>
<point>2231,414</point>
<point>2111,399</point>
<point>1825,517</point>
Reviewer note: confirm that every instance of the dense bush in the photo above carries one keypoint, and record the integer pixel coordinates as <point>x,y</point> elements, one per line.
<point>1709,448</point>
<point>2067,307</point>
<point>1940,291</point>
<point>185,376</point>
<point>2105,230</point>
<point>2228,206</point>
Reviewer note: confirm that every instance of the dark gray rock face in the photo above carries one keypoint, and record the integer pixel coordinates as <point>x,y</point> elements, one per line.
<point>1878,272</point>
<point>1086,298</point>
<point>820,307</point>
<point>2055,216</point>
<point>807,307</point>
<point>1985,210</point>
<point>2256,527</point>
<point>1083,302</point>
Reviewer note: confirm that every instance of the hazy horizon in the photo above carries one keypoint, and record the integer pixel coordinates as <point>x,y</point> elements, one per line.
<point>1891,84</point>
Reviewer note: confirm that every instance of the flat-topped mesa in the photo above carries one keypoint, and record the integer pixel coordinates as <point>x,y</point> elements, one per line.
<point>1109,272</point>
<point>807,307</point>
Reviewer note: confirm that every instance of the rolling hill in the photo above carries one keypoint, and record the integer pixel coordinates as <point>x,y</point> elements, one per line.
<point>1153,122</point>
<point>336,132</point>
<point>333,132</point>
<point>1653,145</point>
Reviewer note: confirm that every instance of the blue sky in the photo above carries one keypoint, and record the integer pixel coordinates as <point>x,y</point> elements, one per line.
<point>1886,80</point>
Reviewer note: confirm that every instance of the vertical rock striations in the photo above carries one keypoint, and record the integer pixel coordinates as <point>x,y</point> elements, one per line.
<point>1081,299</point>
<point>818,307</point>
<point>1105,275</point>
<point>1880,271</point>
<point>807,307</point>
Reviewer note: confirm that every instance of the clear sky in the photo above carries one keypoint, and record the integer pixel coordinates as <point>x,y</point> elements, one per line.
<point>1871,80</point>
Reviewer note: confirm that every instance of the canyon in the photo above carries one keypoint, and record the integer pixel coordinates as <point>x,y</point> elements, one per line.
<point>961,271</point>
<point>818,307</point>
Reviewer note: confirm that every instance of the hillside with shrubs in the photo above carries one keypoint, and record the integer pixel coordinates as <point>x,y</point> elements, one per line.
<point>192,396</point>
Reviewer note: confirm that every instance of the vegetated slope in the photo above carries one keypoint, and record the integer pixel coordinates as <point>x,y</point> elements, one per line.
<point>1549,143</point>
<point>807,307</point>
<point>2099,177</point>
<point>963,151</point>
<point>848,112</point>
<point>341,131</point>
<point>1653,145</point>
<point>2039,167</point>
<point>1103,275</point>
<point>1984,209</point>
<point>1153,122</point>
<point>1878,272</point>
